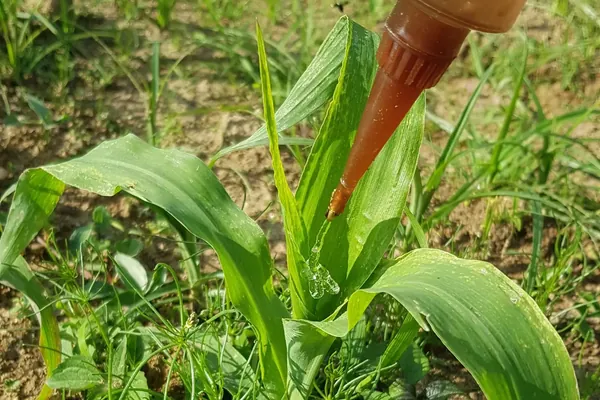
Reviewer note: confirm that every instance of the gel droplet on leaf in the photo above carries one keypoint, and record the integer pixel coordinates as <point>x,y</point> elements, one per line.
<point>319,278</point>
<point>330,284</point>
<point>306,271</point>
<point>316,289</point>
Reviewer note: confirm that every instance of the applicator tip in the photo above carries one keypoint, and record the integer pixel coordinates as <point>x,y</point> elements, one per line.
<point>330,215</point>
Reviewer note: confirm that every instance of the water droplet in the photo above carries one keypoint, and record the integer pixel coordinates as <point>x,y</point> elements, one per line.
<point>483,271</point>
<point>514,300</point>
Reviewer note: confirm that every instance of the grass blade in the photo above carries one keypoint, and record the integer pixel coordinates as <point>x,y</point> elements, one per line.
<point>510,111</point>
<point>436,177</point>
<point>538,231</point>
<point>417,229</point>
<point>401,341</point>
<point>154,93</point>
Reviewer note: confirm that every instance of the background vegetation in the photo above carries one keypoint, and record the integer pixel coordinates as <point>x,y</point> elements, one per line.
<point>509,164</point>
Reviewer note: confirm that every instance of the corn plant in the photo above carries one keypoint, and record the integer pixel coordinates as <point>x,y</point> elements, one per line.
<point>487,321</point>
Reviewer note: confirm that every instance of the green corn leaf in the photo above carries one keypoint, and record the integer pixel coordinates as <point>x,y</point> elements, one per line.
<point>295,232</point>
<point>185,188</point>
<point>378,203</point>
<point>359,237</point>
<point>311,92</point>
<point>307,346</point>
<point>35,197</point>
<point>488,322</point>
<point>332,145</point>
<point>369,216</point>
<point>14,271</point>
<point>353,349</point>
<point>20,278</point>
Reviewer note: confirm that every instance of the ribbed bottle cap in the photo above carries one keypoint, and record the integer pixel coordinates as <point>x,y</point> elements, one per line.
<point>417,48</point>
<point>410,67</point>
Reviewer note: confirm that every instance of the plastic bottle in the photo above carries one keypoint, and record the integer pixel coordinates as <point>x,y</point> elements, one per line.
<point>421,39</point>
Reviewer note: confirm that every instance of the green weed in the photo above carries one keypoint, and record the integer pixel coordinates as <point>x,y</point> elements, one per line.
<point>165,8</point>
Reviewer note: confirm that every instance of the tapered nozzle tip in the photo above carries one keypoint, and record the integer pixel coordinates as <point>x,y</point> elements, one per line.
<point>330,215</point>
<point>339,198</point>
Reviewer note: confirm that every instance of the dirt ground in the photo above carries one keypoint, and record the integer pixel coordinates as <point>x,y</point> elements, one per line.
<point>244,174</point>
<point>21,367</point>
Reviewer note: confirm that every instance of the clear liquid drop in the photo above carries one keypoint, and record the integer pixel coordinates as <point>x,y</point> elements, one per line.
<point>306,272</point>
<point>318,277</point>
<point>316,289</point>
<point>331,286</point>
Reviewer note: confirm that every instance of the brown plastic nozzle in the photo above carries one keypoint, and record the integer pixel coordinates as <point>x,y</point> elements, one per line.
<point>420,41</point>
